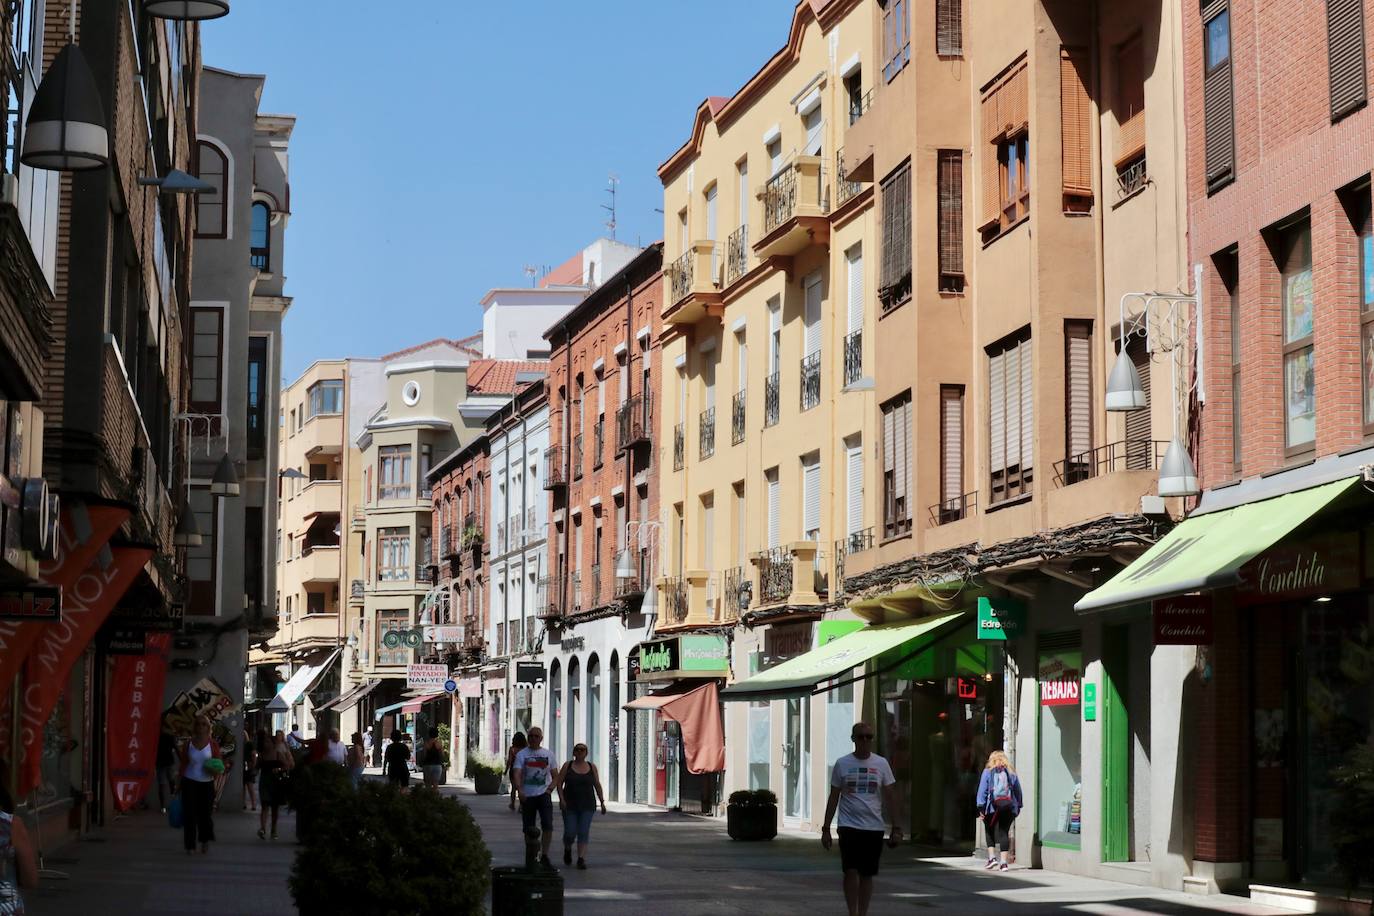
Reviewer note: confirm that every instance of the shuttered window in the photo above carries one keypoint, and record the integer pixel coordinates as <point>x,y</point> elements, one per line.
<point>894,284</point>
<point>854,486</point>
<point>811,497</point>
<point>1298,301</point>
<point>1078,400</point>
<point>811,318</point>
<point>1130,101</point>
<point>774,506</point>
<point>949,28</point>
<point>1011,417</point>
<point>951,451</point>
<point>896,465</point>
<point>1345,55</point>
<point>854,259</point>
<point>1366,299</point>
<point>896,38</point>
<point>950,194</point>
<point>1005,149</point>
<point>1219,129</point>
<point>1139,428</point>
<point>1075,130</point>
<point>1228,270</point>
<point>812,120</point>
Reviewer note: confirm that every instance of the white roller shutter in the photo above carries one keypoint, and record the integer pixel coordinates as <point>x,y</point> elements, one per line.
<point>811,498</point>
<point>813,315</point>
<point>708,526</point>
<point>1013,389</point>
<point>951,443</point>
<point>708,378</point>
<point>813,131</point>
<point>1027,408</point>
<point>774,507</point>
<point>711,230</point>
<point>854,465</point>
<point>774,336</point>
<point>744,193</point>
<point>997,413</point>
<point>601,396</point>
<point>855,259</point>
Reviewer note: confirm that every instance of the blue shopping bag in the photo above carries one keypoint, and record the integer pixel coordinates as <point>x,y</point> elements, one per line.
<point>174,813</point>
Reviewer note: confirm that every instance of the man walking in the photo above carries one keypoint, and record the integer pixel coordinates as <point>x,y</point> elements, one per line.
<point>533,773</point>
<point>860,784</point>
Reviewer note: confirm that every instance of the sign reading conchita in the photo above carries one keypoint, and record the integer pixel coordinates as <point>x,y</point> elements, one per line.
<point>1313,567</point>
<point>1183,621</point>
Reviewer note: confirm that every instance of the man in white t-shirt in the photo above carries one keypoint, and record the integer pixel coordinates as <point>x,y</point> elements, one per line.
<point>533,772</point>
<point>336,752</point>
<point>860,784</point>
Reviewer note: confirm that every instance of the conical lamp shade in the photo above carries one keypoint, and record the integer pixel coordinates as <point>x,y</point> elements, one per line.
<point>1177,476</point>
<point>65,130</point>
<point>186,10</point>
<point>187,533</point>
<point>178,182</point>
<point>624,565</point>
<point>648,606</point>
<point>226,481</point>
<point>1124,391</point>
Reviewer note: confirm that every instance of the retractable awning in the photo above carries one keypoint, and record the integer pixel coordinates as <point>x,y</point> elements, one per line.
<point>803,674</point>
<point>1208,551</point>
<point>695,706</point>
<point>346,701</point>
<point>304,678</point>
<point>415,704</point>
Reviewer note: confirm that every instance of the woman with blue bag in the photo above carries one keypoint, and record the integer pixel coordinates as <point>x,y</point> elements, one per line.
<point>201,762</point>
<point>999,801</point>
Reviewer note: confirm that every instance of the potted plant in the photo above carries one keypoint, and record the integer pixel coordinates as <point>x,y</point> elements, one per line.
<point>472,536</point>
<point>446,739</point>
<point>752,814</point>
<point>486,771</point>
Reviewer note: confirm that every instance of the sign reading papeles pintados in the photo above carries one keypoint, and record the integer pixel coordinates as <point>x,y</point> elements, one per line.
<point>1183,621</point>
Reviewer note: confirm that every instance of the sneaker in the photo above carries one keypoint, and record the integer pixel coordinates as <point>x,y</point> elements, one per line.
<point>582,864</point>
<point>567,855</point>
<point>544,861</point>
<point>262,834</point>
<point>992,863</point>
<point>274,834</point>
<point>1003,867</point>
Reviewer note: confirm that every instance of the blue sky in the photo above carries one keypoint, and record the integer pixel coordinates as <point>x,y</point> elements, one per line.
<point>435,156</point>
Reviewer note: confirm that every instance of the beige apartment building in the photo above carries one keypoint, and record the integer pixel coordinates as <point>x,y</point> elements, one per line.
<point>767,396</point>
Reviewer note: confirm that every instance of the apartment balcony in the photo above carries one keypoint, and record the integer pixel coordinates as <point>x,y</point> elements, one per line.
<point>858,107</point>
<point>737,417</point>
<point>575,589</point>
<point>322,434</point>
<point>474,640</point>
<point>1125,455</point>
<point>673,594</point>
<point>318,497</point>
<point>706,433</point>
<point>772,400</point>
<point>853,357</point>
<point>449,543</point>
<point>856,542</point>
<point>954,509</point>
<point>679,447</point>
<point>810,381</point>
<point>598,443</point>
<point>788,575</point>
<point>737,254</point>
<point>577,457</point>
<point>555,474</point>
<point>795,204</point>
<point>634,585</point>
<point>359,520</point>
<point>731,580</point>
<point>425,574</point>
<point>693,284</point>
<point>846,187</point>
<point>320,565</point>
<point>596,596</point>
<point>356,593</point>
<point>634,422</point>
<point>549,600</point>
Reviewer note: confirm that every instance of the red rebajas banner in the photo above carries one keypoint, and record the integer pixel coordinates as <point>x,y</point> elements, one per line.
<point>135,701</point>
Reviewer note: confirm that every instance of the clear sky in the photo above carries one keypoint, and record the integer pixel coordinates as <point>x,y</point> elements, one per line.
<point>439,151</point>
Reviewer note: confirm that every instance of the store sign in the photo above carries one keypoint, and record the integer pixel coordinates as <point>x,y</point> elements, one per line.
<point>126,641</point>
<point>1183,621</point>
<point>1000,619</point>
<point>659,656</point>
<point>1310,568</point>
<point>1089,702</point>
<point>133,726</point>
<point>786,641</point>
<point>36,602</point>
<point>703,653</point>
<point>529,673</point>
<point>426,677</point>
<point>443,634</point>
<point>162,617</point>
<point>1059,680</point>
<point>573,643</point>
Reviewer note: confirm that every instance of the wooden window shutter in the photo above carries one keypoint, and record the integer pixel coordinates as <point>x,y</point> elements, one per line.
<point>1014,110</point>
<point>1345,55</point>
<point>949,37</point>
<point>997,412</point>
<point>1218,102</point>
<point>951,442</point>
<point>1130,100</point>
<point>1078,393</point>
<point>951,202</point>
<point>904,450</point>
<point>904,229</point>
<point>1138,427</point>
<point>1075,122</point>
<point>988,171</point>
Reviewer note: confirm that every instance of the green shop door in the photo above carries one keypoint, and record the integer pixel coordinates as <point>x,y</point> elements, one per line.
<point>1116,746</point>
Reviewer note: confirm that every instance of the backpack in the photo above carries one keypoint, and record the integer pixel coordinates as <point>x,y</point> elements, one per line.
<point>1001,788</point>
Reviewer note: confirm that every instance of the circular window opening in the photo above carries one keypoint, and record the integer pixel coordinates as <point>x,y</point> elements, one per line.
<point>411,393</point>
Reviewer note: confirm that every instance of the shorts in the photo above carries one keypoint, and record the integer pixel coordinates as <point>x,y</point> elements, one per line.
<point>434,773</point>
<point>860,850</point>
<point>540,804</point>
<point>577,825</point>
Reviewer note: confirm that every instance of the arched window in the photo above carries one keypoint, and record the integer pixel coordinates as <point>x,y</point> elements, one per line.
<point>593,707</point>
<point>574,691</point>
<point>555,704</point>
<point>613,707</point>
<point>212,166</point>
<point>260,240</point>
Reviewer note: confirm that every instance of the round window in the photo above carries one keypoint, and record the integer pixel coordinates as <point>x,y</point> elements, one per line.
<point>411,393</point>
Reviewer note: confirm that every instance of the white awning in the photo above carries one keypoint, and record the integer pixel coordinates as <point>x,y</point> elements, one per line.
<point>304,678</point>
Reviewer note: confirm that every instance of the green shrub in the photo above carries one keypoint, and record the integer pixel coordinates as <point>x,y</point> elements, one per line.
<point>446,739</point>
<point>393,853</point>
<point>753,798</point>
<point>318,787</point>
<point>482,762</point>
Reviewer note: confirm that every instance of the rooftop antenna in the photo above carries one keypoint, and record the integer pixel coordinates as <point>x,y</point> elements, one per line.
<point>533,273</point>
<point>612,181</point>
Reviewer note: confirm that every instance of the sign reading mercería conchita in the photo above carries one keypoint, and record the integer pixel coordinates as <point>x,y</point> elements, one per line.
<point>1059,679</point>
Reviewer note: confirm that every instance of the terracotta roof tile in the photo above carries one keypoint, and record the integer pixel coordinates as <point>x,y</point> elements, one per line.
<point>464,343</point>
<point>497,376</point>
<point>569,273</point>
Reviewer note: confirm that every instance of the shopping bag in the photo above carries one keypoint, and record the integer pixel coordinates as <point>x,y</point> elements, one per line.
<point>174,813</point>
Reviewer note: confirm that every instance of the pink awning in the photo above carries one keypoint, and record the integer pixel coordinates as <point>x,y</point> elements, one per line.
<point>697,711</point>
<point>415,704</point>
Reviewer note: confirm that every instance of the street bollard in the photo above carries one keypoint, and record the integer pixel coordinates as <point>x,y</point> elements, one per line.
<point>528,890</point>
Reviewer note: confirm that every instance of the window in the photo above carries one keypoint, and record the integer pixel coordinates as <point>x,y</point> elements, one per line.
<point>426,458</point>
<point>393,472</point>
<point>260,239</point>
<point>212,166</point>
<point>1218,95</point>
<point>255,418</point>
<point>812,122</point>
<point>949,28</point>
<point>1299,370</point>
<point>1078,400</point>
<point>1366,242</point>
<point>1139,424</point>
<point>773,487</point>
<point>774,148</point>
<point>854,95</point>
<point>950,195</point>
<point>896,38</point>
<point>854,324</point>
<point>894,284</point>
<point>896,465</point>
<point>201,560</point>
<point>1006,166</point>
<point>326,397</point>
<point>1227,265</point>
<point>392,622</point>
<point>1075,130</point>
<point>951,453</point>
<point>1345,56</point>
<point>207,329</point>
<point>1130,107</point>
<point>393,554</point>
<point>1011,417</point>
<point>1060,748</point>
<point>854,486</point>
<point>254,555</point>
<point>811,497</point>
<point>314,603</point>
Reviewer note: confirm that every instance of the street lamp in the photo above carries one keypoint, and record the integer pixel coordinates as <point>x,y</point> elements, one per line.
<point>177,182</point>
<point>186,10</point>
<point>65,128</point>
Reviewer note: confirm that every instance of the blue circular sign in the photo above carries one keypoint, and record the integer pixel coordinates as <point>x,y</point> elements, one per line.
<point>450,685</point>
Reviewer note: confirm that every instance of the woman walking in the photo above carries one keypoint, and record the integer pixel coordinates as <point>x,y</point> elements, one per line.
<point>200,764</point>
<point>18,867</point>
<point>517,744</point>
<point>397,761</point>
<point>357,759</point>
<point>579,791</point>
<point>275,761</point>
<point>432,759</point>
<point>999,801</point>
<point>250,771</point>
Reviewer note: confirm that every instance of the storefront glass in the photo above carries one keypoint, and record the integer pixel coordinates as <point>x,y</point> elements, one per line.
<point>593,709</point>
<point>1061,743</point>
<point>555,707</point>
<point>796,757</point>
<point>760,727</point>
<point>839,723</point>
<point>60,766</point>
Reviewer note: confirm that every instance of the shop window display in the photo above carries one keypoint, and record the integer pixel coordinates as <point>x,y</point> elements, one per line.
<point>760,728</point>
<point>1061,748</point>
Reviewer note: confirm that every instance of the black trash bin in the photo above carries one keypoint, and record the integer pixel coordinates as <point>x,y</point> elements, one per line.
<point>516,891</point>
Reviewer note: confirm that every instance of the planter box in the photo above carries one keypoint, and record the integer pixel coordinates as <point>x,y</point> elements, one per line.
<point>752,822</point>
<point>487,783</point>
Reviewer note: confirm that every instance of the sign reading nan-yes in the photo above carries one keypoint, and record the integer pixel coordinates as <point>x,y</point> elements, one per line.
<point>426,677</point>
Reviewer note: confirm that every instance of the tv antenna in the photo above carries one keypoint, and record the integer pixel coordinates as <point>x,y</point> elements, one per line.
<point>532,272</point>
<point>612,181</point>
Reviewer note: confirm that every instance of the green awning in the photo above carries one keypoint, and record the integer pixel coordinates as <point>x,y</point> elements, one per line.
<point>802,674</point>
<point>1207,551</point>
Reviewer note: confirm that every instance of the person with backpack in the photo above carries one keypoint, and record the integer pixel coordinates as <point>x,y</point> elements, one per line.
<point>999,801</point>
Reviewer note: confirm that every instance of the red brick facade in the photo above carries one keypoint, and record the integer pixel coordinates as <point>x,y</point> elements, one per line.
<point>459,491</point>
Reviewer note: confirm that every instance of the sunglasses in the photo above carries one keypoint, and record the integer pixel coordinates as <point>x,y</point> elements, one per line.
<point>863,737</point>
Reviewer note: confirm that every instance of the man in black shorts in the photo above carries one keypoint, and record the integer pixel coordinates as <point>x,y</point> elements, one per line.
<point>860,784</point>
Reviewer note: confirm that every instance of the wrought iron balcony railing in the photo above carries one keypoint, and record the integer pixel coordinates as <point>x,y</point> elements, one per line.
<point>634,421</point>
<point>859,106</point>
<point>594,594</point>
<point>577,457</point>
<point>679,447</point>
<point>855,542</point>
<point>853,357</point>
<point>779,198</point>
<point>706,432</point>
<point>675,599</point>
<point>356,589</point>
<point>549,598</point>
<point>775,576</point>
<point>844,187</point>
<point>737,416</point>
<point>554,473</point>
<point>598,441</point>
<point>772,397</point>
<point>953,509</point>
<point>810,381</point>
<point>737,254</point>
<point>1125,455</point>
<point>1131,178</point>
<point>730,583</point>
<point>680,276</point>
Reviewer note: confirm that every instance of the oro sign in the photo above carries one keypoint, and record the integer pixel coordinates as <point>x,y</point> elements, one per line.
<point>426,677</point>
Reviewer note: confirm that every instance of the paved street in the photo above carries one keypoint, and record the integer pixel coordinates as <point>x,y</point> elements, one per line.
<point>641,862</point>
